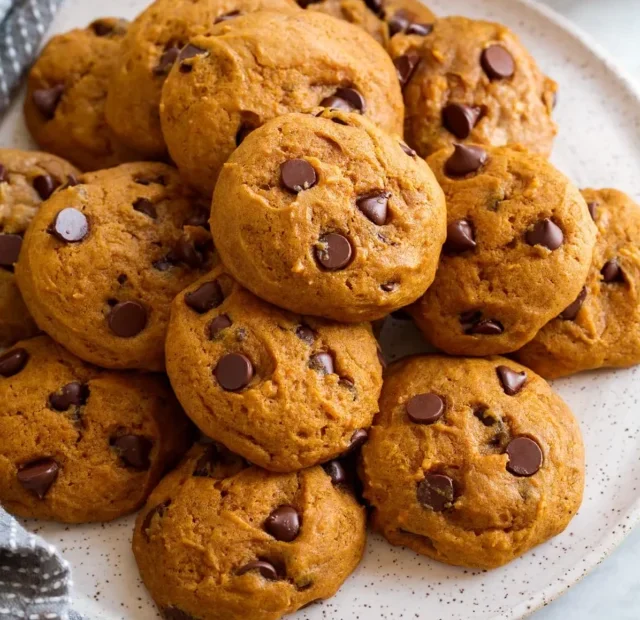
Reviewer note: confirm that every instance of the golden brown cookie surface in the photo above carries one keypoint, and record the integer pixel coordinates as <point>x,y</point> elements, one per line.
<point>601,327</point>
<point>473,81</point>
<point>329,216</point>
<point>257,67</point>
<point>471,462</point>
<point>519,246</point>
<point>105,258</point>
<point>80,443</point>
<point>217,541</point>
<point>285,391</point>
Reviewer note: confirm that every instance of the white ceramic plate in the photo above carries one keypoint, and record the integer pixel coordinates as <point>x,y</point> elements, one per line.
<point>598,145</point>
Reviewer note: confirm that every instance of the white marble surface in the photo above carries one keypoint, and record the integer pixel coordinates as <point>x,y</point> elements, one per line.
<point>611,591</point>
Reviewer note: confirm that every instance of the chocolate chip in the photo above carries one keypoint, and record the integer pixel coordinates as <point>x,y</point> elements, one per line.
<point>73,394</point>
<point>12,362</point>
<point>38,476</point>
<point>164,264</point>
<point>127,319</point>
<point>226,16</point>
<point>593,209</point>
<point>207,461</point>
<point>388,287</point>
<point>144,205</point>
<point>72,181</point>
<point>497,62</point>
<point>266,569</point>
<point>322,362</point>
<point>189,51</point>
<point>405,66</point>
<point>399,21</point>
<point>407,149</point>
<point>45,185</point>
<point>173,613</point>
<point>420,29</point>
<point>166,61</point>
<point>465,160</point>
<point>460,237</point>
<point>234,372</point>
<point>9,249</point>
<point>243,132</point>
<point>205,297</point>
<point>425,408</point>
<point>374,206</point>
<point>545,233</point>
<point>156,510</point>
<point>345,99</point>
<point>4,175</point>
<point>283,524</point>
<point>122,278</point>
<point>46,100</point>
<point>612,272</point>
<point>469,318</point>
<point>200,219</point>
<point>358,439</point>
<point>511,380</point>
<point>69,226</point>
<point>297,175</point>
<point>436,491</point>
<point>306,334</point>
<point>134,450</point>
<point>146,181</point>
<point>525,456</point>
<point>336,472</point>
<point>571,312</point>
<point>460,119</point>
<point>218,324</point>
<point>485,327</point>
<point>334,251</point>
<point>376,6</point>
<point>105,27</point>
<point>186,252</point>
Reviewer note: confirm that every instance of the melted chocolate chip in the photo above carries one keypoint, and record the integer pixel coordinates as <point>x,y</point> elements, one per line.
<point>612,272</point>
<point>45,185</point>
<point>38,476</point>
<point>322,363</point>
<point>460,237</point>
<point>336,472</point>
<point>206,297</point>
<point>345,99</point>
<point>334,251</point>
<point>436,492</point>
<point>134,450</point>
<point>73,394</point>
<point>13,361</point>
<point>297,175</point>
<point>571,312</point>
<point>511,380</point>
<point>144,205</point>
<point>219,324</point>
<point>266,569</point>
<point>405,66</point>
<point>46,100</point>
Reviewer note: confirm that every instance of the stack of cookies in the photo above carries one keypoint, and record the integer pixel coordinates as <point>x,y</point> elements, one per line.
<point>233,192</point>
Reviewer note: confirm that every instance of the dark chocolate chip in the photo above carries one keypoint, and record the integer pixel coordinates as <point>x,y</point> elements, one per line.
<point>45,185</point>
<point>376,6</point>
<point>73,394</point>
<point>173,613</point>
<point>127,319</point>
<point>425,408</point>
<point>485,327</point>
<point>345,99</point>
<point>436,492</point>
<point>388,287</point>
<point>189,51</point>
<point>46,100</point>
<point>334,251</point>
<point>9,249</point>
<point>407,149</point>
<point>612,272</point>
<point>420,29</point>
<point>399,21</point>
<point>156,510</point>
<point>497,62</point>
<point>266,569</point>
<point>144,205</point>
<point>545,233</point>
<point>374,206</point>
<point>525,456</point>
<point>163,264</point>
<point>469,318</point>
<point>207,461</point>
<point>242,133</point>
<point>122,279</point>
<point>200,218</point>
<point>69,226</point>
<point>322,362</point>
<point>460,237</point>
<point>234,371</point>
<point>593,209</point>
<point>460,119</point>
<point>571,312</point>
<point>358,439</point>
<point>219,324</point>
<point>297,175</point>
<point>186,252</point>
<point>205,297</point>
<point>134,450</point>
<point>226,16</point>
<point>38,476</point>
<point>12,362</point>
<point>465,160</point>
<point>306,334</point>
<point>336,472</point>
<point>105,27</point>
<point>511,380</point>
<point>166,61</point>
<point>405,66</point>
<point>283,524</point>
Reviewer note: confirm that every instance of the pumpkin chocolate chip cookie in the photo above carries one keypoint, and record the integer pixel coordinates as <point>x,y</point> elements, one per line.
<point>256,67</point>
<point>219,541</point>
<point>471,461</point>
<point>66,94</point>
<point>104,259</point>
<point>472,81</point>
<point>150,48</point>
<point>328,215</point>
<point>26,179</point>
<point>601,328</point>
<point>283,390</point>
<point>80,443</point>
<point>519,246</point>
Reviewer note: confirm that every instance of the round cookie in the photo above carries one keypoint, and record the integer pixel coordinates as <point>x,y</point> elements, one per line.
<point>471,462</point>
<point>256,67</point>
<point>601,328</point>
<point>66,94</point>
<point>519,245</point>
<point>26,179</point>
<point>104,259</point>
<point>328,215</point>
<point>473,81</point>
<point>80,443</point>
<point>380,19</point>
<point>285,391</point>
<point>148,51</point>
<point>217,541</point>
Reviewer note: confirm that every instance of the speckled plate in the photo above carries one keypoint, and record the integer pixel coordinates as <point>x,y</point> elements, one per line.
<point>598,145</point>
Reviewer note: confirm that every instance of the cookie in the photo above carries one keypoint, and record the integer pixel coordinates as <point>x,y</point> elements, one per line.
<point>283,390</point>
<point>328,215</point>
<point>471,462</point>
<point>149,49</point>
<point>80,443</point>
<point>26,179</point>
<point>217,541</point>
<point>257,67</point>
<point>519,246</point>
<point>66,94</point>
<point>472,81</point>
<point>601,328</point>
<point>104,259</point>
<point>380,19</point>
